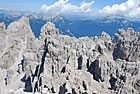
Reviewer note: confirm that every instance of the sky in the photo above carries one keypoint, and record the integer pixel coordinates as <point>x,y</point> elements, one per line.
<point>121,8</point>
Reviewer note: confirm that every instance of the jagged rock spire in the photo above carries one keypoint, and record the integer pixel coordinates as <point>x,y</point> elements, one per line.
<point>59,64</point>
<point>48,29</point>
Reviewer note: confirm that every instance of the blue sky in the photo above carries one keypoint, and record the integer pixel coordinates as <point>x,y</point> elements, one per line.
<point>121,8</point>
<point>34,5</point>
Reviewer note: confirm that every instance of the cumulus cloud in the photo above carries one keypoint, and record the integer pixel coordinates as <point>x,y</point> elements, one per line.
<point>64,7</point>
<point>130,8</point>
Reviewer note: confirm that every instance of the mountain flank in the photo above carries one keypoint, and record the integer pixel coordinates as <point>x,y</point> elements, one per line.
<point>60,64</point>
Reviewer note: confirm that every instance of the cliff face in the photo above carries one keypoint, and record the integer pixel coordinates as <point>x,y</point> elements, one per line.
<point>59,64</point>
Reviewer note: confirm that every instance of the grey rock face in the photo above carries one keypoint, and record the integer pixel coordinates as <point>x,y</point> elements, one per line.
<point>3,35</point>
<point>128,46</point>
<point>59,64</point>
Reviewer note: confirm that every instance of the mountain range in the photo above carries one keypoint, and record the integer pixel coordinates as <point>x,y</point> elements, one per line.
<point>78,27</point>
<point>40,56</point>
<point>59,64</point>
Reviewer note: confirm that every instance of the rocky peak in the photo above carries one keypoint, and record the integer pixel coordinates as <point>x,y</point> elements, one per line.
<point>48,29</point>
<point>105,36</point>
<point>19,25</point>
<point>127,45</point>
<point>60,64</point>
<point>24,20</point>
<point>128,35</point>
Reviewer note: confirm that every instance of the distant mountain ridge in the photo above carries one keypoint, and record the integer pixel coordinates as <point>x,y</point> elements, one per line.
<point>74,27</point>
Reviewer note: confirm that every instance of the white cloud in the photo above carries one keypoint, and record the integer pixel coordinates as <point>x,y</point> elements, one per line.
<point>128,9</point>
<point>63,7</point>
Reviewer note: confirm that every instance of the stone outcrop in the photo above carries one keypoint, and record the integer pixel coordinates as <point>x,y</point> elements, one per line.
<point>59,64</point>
<point>127,45</point>
<point>3,36</point>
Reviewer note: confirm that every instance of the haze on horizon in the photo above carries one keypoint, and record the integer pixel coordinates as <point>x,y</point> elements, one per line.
<point>118,8</point>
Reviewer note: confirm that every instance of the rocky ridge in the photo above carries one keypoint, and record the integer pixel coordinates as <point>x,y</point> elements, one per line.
<point>59,64</point>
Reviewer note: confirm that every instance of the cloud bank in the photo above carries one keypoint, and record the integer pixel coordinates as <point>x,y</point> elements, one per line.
<point>63,7</point>
<point>130,8</point>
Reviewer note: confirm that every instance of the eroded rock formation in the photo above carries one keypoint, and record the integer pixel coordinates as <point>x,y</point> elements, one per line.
<point>59,64</point>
